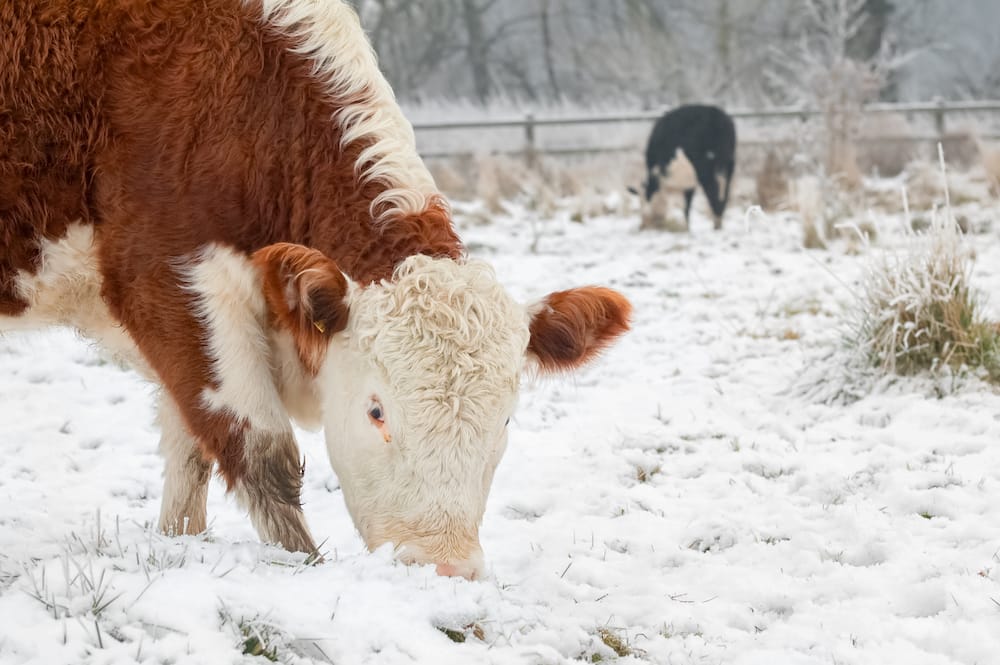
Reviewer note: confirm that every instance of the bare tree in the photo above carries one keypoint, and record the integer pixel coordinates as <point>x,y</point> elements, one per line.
<point>415,41</point>
<point>547,49</point>
<point>476,47</point>
<point>653,53</point>
<point>822,72</point>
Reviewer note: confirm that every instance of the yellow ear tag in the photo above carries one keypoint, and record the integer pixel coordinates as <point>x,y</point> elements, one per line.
<point>320,326</point>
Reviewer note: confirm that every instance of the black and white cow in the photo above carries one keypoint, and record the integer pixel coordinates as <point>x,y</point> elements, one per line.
<point>691,145</point>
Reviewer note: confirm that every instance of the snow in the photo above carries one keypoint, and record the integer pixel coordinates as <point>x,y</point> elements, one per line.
<point>683,494</point>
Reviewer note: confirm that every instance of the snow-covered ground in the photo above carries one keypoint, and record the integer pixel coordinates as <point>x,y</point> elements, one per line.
<point>679,501</point>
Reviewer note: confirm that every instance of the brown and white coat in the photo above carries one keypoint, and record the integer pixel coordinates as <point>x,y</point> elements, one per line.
<point>225,194</point>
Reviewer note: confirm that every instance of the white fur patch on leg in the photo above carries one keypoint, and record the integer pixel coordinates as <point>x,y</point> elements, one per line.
<point>185,475</point>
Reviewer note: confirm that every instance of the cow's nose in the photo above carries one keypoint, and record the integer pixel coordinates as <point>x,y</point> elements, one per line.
<point>469,565</point>
<point>465,569</point>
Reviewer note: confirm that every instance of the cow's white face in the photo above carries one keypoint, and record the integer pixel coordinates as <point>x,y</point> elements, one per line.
<point>418,378</point>
<point>418,390</point>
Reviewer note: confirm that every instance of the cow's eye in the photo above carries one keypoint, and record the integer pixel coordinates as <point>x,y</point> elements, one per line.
<point>506,422</point>
<point>377,417</point>
<point>375,413</point>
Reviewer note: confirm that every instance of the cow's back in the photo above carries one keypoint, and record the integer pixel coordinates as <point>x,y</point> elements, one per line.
<point>175,124</point>
<point>215,140</point>
<point>694,128</point>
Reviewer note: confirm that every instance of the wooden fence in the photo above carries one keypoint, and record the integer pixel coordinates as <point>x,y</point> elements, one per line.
<point>937,111</point>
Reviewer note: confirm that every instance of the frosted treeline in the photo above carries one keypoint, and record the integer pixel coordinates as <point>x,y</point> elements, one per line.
<point>660,52</point>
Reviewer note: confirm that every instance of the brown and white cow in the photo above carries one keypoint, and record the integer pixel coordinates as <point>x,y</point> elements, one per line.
<point>224,194</point>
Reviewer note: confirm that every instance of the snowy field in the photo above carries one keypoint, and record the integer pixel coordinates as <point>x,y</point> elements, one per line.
<point>678,502</point>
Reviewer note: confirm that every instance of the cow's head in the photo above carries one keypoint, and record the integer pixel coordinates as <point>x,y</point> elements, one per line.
<point>652,199</point>
<point>418,378</point>
<point>649,186</point>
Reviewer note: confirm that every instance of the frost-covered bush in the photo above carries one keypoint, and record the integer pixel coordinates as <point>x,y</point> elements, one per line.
<point>918,310</point>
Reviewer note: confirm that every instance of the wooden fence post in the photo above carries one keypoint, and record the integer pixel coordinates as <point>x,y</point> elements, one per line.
<point>530,150</point>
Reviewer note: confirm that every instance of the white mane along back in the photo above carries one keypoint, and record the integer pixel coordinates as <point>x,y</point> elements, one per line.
<point>328,33</point>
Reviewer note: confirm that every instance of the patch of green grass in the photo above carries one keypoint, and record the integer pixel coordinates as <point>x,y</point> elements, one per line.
<point>460,636</point>
<point>253,646</point>
<point>81,581</point>
<point>255,636</point>
<point>453,635</point>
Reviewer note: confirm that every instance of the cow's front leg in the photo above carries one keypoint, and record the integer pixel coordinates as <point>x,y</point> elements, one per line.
<point>185,476</point>
<point>270,487</point>
<point>710,185</point>
<point>241,411</point>
<point>260,465</point>
<point>201,323</point>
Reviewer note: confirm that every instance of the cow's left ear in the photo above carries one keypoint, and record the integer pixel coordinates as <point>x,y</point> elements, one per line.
<point>306,293</point>
<point>570,328</point>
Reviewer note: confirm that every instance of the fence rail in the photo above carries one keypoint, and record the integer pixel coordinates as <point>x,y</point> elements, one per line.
<point>937,110</point>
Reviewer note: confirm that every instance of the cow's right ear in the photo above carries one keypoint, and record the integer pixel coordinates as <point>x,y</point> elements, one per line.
<point>306,294</point>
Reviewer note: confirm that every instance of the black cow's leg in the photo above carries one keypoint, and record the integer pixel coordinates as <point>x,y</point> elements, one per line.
<point>725,179</point>
<point>710,185</point>
<point>730,167</point>
<point>688,196</point>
